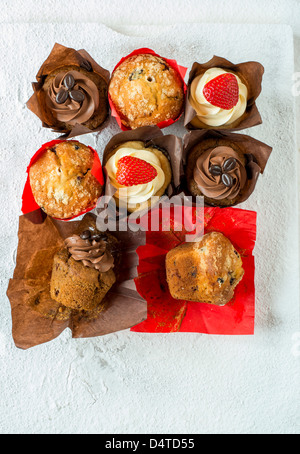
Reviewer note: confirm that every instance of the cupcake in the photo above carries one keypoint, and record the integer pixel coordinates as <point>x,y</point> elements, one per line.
<point>205,271</point>
<point>71,92</point>
<point>222,167</point>
<point>222,95</point>
<point>62,181</point>
<point>83,271</point>
<point>138,172</point>
<point>146,89</point>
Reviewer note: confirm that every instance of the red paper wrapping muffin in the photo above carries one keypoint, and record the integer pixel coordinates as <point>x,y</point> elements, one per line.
<point>146,89</point>
<point>65,180</point>
<point>167,314</point>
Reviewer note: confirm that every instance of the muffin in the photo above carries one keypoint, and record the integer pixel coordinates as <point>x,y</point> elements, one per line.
<point>146,90</point>
<point>224,168</point>
<point>138,173</point>
<point>222,95</point>
<point>205,271</point>
<point>71,91</point>
<point>62,182</point>
<point>83,271</point>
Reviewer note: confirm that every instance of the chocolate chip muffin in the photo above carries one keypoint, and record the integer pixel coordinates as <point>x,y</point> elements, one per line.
<point>83,271</point>
<point>62,182</point>
<point>206,271</point>
<point>145,90</point>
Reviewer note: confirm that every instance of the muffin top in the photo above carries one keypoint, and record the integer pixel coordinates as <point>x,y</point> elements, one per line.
<point>205,271</point>
<point>145,90</point>
<point>61,180</point>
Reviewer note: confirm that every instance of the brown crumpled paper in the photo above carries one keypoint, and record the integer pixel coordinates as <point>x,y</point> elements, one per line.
<point>64,56</point>
<point>39,239</point>
<point>259,151</point>
<point>252,72</point>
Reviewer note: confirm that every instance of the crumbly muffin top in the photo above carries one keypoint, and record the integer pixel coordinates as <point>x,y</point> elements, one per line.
<point>204,271</point>
<point>146,91</point>
<point>61,180</point>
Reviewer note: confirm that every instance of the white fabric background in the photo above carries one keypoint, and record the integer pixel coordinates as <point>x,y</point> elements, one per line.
<point>149,384</point>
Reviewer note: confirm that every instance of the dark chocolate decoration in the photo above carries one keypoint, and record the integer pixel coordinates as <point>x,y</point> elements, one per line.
<point>62,96</point>
<point>65,93</point>
<point>77,95</point>
<point>85,235</point>
<point>215,170</point>
<point>227,180</point>
<point>69,82</point>
<point>85,64</point>
<point>229,164</point>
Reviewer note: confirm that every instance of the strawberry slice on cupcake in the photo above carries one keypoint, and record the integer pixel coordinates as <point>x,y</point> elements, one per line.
<point>138,173</point>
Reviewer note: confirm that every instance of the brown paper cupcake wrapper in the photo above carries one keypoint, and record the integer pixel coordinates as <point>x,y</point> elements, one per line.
<point>39,238</point>
<point>259,150</point>
<point>151,136</point>
<point>64,56</point>
<point>251,72</point>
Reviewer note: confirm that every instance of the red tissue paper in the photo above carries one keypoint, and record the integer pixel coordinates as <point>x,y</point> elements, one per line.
<point>165,314</point>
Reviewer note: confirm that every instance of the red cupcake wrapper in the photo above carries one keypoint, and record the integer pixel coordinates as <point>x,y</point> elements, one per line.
<point>166,314</point>
<point>28,202</point>
<point>173,63</point>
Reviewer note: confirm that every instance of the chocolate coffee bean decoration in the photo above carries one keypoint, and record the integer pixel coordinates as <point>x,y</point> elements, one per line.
<point>85,235</point>
<point>227,180</point>
<point>69,82</point>
<point>215,170</point>
<point>77,95</point>
<point>62,96</point>
<point>85,64</point>
<point>229,164</point>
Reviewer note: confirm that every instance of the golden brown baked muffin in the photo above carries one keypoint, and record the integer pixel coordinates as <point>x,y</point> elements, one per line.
<point>145,90</point>
<point>61,180</point>
<point>37,283</point>
<point>206,271</point>
<point>128,167</point>
<point>72,95</point>
<point>83,271</point>
<point>217,169</point>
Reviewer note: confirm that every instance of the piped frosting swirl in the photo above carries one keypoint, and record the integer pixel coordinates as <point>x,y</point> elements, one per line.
<point>212,115</point>
<point>73,97</point>
<point>219,173</point>
<point>92,252</point>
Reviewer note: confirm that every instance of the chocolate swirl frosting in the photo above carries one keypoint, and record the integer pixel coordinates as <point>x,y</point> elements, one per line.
<point>91,250</point>
<point>220,174</point>
<point>73,97</point>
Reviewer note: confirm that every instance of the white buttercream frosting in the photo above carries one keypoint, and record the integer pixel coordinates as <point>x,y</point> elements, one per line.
<point>140,193</point>
<point>210,114</point>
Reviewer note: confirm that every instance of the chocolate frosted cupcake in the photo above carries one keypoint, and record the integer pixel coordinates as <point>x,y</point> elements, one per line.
<point>223,168</point>
<point>71,92</point>
<point>83,271</point>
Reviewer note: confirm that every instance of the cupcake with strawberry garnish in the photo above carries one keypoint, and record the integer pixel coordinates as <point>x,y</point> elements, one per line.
<point>138,172</point>
<point>222,95</point>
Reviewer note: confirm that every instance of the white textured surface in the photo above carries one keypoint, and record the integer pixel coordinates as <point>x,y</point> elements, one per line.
<point>179,383</point>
